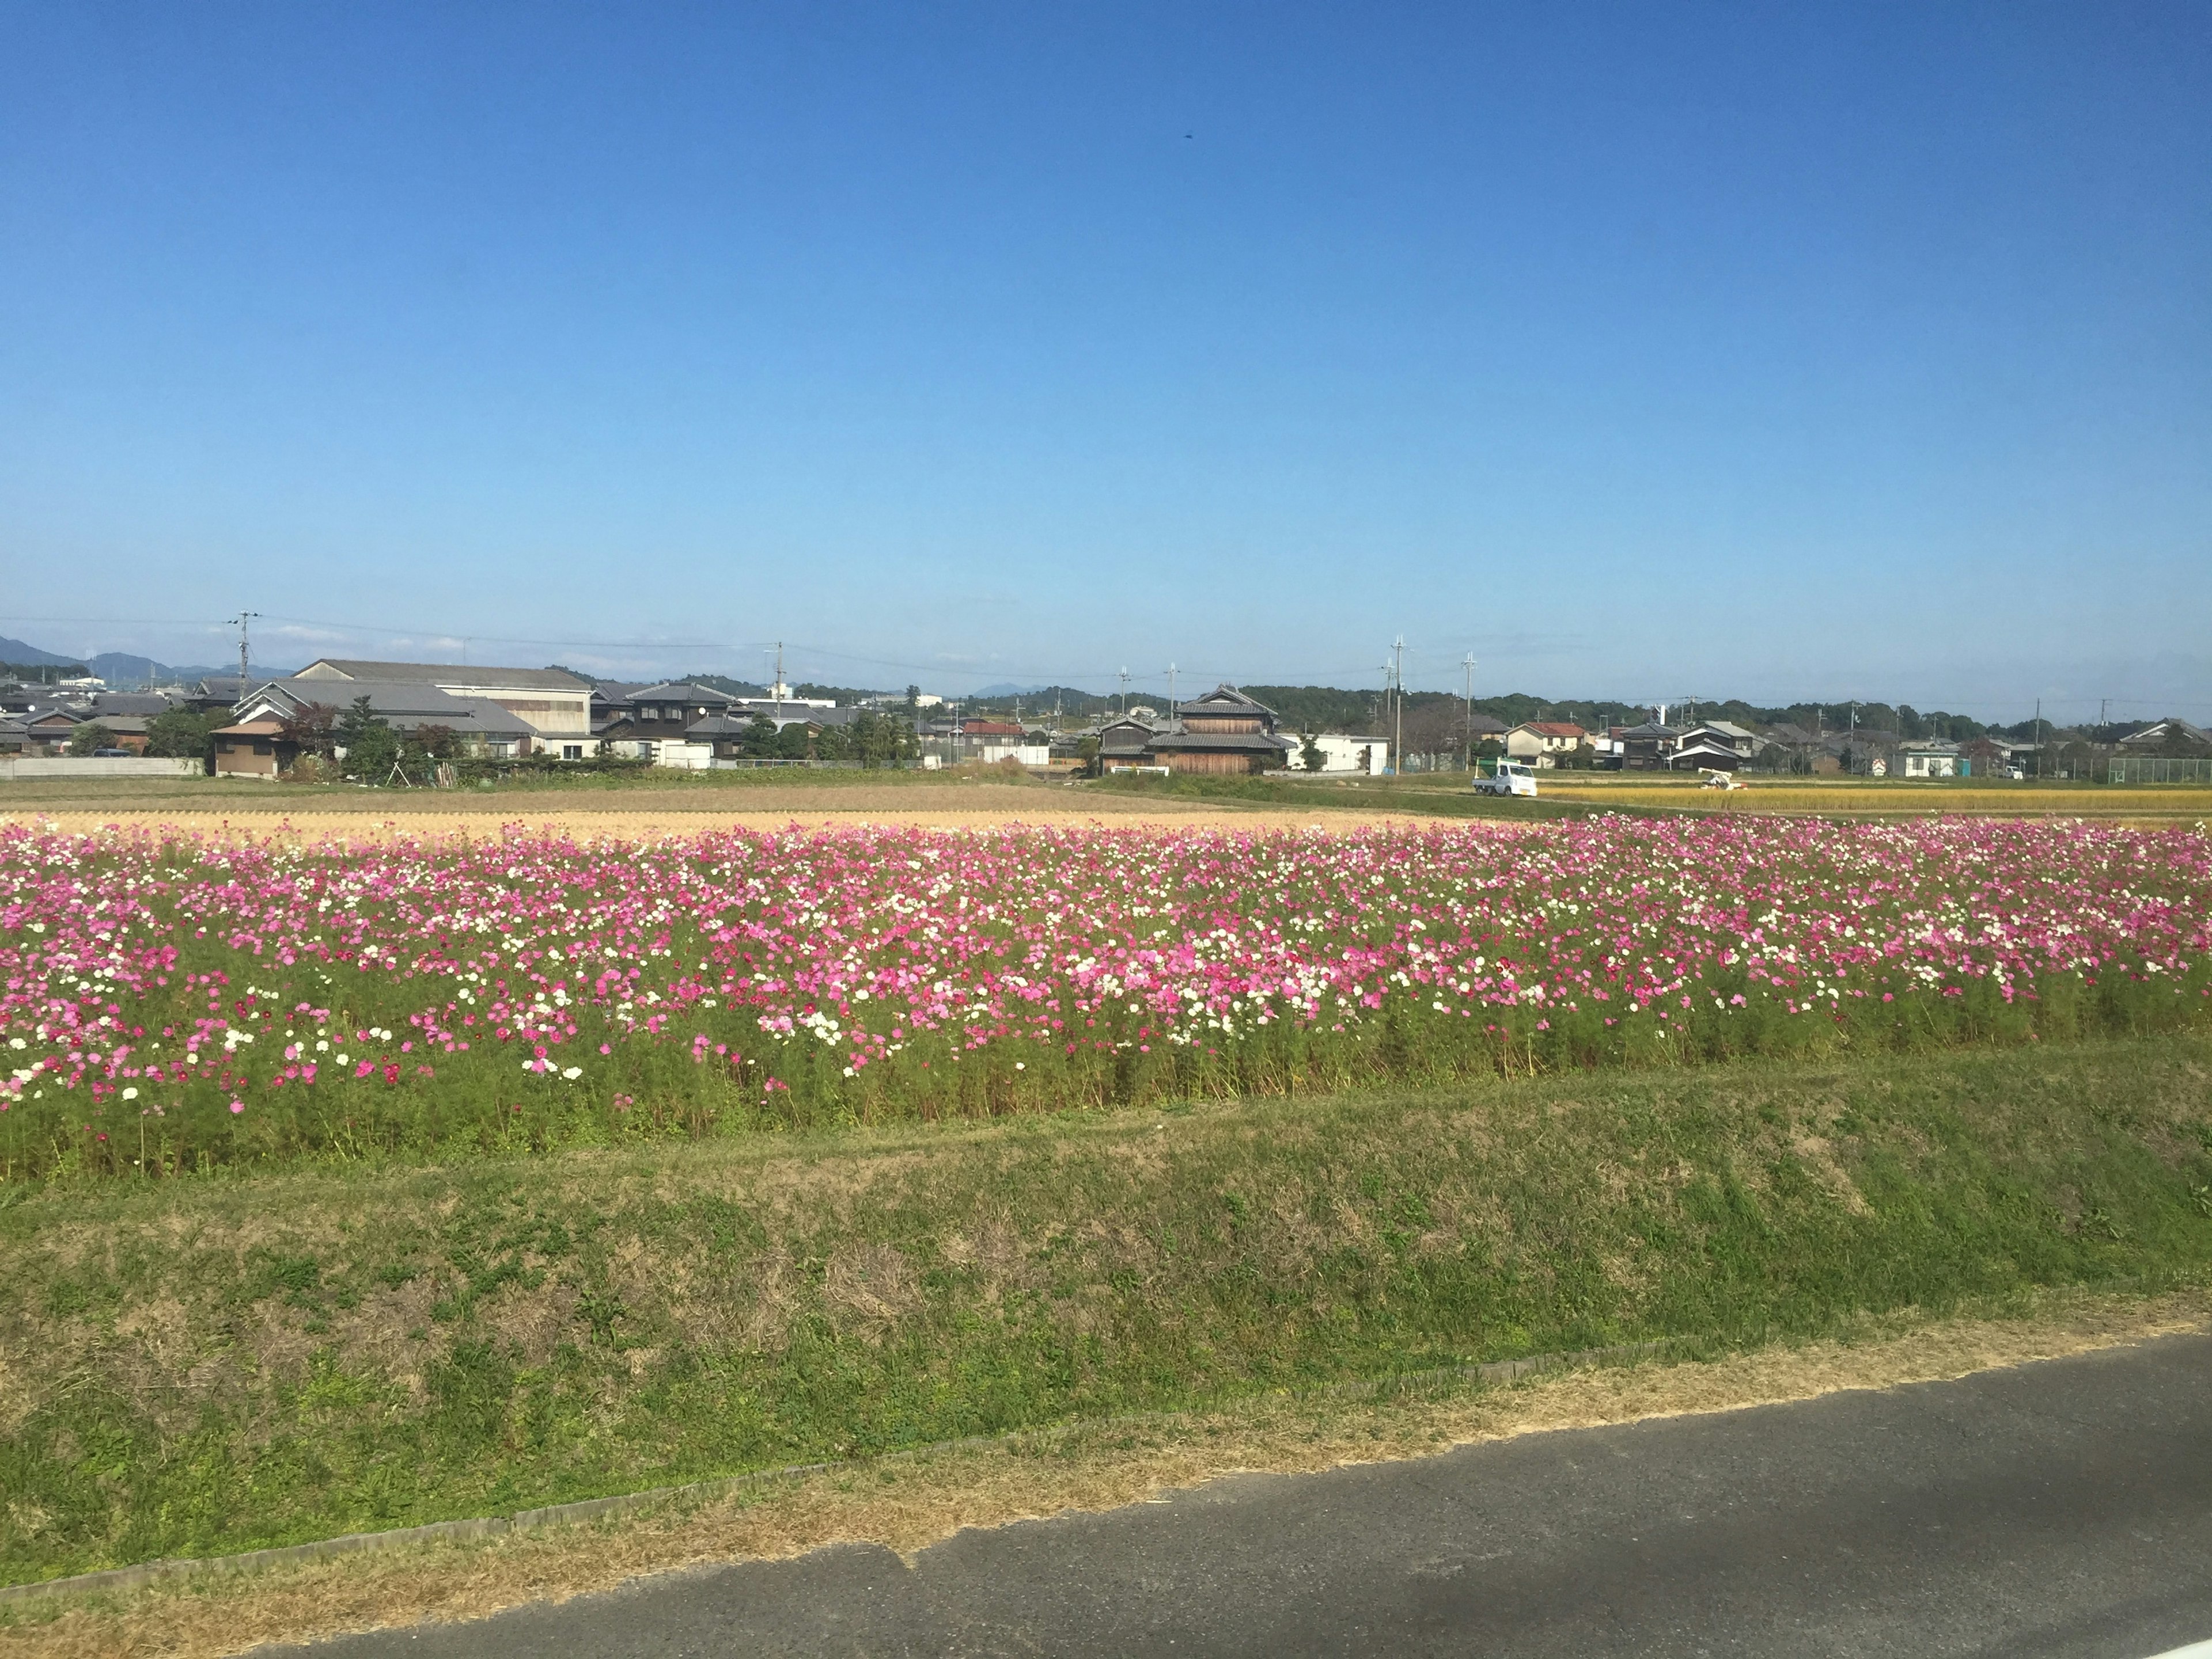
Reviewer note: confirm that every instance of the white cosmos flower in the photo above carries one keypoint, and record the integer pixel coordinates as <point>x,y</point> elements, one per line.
<point>130,1094</point>
<point>572,1072</point>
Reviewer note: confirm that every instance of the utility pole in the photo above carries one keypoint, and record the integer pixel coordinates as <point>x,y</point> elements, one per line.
<point>1467,663</point>
<point>777,690</point>
<point>242,619</point>
<point>1125,690</point>
<point>2039,737</point>
<point>1175,724</point>
<point>1398,686</point>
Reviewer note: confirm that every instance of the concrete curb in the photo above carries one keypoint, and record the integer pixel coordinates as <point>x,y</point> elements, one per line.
<point>595,1509</point>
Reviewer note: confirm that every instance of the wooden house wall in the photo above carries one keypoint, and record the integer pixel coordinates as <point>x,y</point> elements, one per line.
<point>1206,760</point>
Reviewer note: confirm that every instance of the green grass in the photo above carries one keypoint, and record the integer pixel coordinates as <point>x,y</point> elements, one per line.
<point>1439,795</point>
<point>220,1363</point>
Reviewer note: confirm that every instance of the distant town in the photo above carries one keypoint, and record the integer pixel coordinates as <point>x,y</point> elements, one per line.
<point>380,721</point>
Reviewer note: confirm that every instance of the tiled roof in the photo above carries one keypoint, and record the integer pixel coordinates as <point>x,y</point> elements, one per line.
<point>445,673</point>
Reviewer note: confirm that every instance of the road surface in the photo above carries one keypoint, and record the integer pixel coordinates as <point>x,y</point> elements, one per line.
<point>2057,1510</point>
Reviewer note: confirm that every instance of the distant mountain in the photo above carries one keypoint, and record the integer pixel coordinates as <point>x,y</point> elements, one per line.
<point>121,668</point>
<point>17,651</point>
<point>1009,689</point>
<point>127,668</point>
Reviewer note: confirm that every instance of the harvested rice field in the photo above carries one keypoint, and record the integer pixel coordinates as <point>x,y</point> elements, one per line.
<point>351,814</point>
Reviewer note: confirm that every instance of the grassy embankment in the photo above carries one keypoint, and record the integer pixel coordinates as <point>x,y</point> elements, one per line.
<point>219,1363</point>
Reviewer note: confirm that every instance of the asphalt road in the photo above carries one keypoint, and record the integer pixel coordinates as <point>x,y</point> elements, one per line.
<point>2063,1509</point>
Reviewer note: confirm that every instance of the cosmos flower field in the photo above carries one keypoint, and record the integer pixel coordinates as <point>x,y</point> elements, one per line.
<point>174,1004</point>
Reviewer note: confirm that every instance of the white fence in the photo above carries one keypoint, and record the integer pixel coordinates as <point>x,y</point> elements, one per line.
<point>98,766</point>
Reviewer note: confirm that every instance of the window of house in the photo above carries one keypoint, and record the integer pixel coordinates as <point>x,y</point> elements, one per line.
<point>572,751</point>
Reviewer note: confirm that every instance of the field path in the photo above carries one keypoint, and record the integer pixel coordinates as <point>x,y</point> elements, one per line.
<point>628,821</point>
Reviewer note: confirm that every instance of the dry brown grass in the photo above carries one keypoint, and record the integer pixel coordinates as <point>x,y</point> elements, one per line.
<point>640,815</point>
<point>910,1502</point>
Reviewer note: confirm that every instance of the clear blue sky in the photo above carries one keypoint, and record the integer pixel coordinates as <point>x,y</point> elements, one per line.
<point>1773,351</point>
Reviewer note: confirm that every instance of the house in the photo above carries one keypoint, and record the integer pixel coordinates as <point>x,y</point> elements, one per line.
<point>406,706</point>
<point>253,749</point>
<point>1542,742</point>
<point>1931,757</point>
<point>1125,745</point>
<point>1647,746</point>
<point>1341,753</point>
<point>2168,736</point>
<point>1715,746</point>
<point>554,706</point>
<point>47,731</point>
<point>632,720</point>
<point>1224,731</point>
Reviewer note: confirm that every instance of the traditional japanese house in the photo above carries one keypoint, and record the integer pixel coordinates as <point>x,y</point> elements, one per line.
<point>1223,732</point>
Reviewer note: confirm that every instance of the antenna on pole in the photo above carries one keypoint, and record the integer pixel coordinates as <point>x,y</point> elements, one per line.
<point>1467,663</point>
<point>242,619</point>
<point>1398,704</point>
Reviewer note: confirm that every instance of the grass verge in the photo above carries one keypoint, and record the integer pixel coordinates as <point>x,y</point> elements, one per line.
<point>907,1503</point>
<point>221,1363</point>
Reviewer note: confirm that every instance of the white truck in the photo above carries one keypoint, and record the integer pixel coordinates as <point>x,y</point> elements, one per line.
<point>1511,778</point>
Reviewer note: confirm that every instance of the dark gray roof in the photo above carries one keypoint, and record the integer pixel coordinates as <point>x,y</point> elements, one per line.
<point>2169,728</point>
<point>1226,740</point>
<point>404,705</point>
<point>444,673</point>
<point>141,704</point>
<point>1224,699</point>
<point>679,691</point>
<point>787,713</point>
<point>1482,725</point>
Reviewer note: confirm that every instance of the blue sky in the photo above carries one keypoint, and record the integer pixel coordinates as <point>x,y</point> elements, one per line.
<point>1775,351</point>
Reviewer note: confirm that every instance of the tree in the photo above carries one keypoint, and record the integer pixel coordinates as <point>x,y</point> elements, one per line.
<point>2176,742</point>
<point>90,736</point>
<point>760,738</point>
<point>872,739</point>
<point>436,742</point>
<point>184,733</point>
<point>311,730</point>
<point>1309,753</point>
<point>372,747</point>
